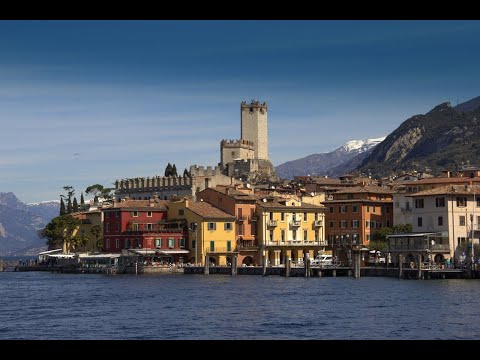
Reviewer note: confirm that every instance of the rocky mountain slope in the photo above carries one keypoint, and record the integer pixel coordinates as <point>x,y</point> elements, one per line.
<point>443,138</point>
<point>19,224</point>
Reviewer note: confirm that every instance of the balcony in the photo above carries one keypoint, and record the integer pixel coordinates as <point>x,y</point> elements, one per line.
<point>318,223</point>
<point>297,243</point>
<point>295,223</point>
<point>254,218</point>
<point>220,250</point>
<point>272,223</point>
<point>241,218</point>
<point>247,246</point>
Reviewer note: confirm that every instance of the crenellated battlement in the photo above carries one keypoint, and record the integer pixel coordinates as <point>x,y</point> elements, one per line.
<point>254,105</point>
<point>242,143</point>
<point>154,182</point>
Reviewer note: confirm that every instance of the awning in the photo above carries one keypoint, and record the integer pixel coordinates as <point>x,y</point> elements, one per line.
<point>50,252</point>
<point>172,252</point>
<point>142,251</point>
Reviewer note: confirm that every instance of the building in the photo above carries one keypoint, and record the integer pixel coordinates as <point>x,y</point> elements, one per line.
<point>354,214</point>
<point>89,233</point>
<point>211,231</point>
<point>242,205</point>
<point>289,228</point>
<point>170,187</point>
<point>143,225</point>
<point>247,158</point>
<point>453,210</point>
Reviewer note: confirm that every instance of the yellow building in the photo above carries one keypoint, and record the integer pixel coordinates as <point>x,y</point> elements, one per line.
<point>211,231</point>
<point>290,228</point>
<point>84,238</point>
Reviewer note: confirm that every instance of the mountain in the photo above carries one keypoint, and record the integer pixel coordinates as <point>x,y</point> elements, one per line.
<point>335,163</point>
<point>19,224</point>
<point>441,139</point>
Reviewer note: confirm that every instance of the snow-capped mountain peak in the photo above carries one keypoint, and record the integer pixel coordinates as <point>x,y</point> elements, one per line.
<point>361,145</point>
<point>47,202</point>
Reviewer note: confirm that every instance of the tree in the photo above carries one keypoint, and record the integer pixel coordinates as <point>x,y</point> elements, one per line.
<point>84,239</point>
<point>62,207</point>
<point>98,191</point>
<point>174,170</point>
<point>107,195</point>
<point>168,170</point>
<point>94,189</point>
<point>96,231</point>
<point>59,231</point>
<point>69,206</point>
<point>95,199</point>
<point>70,192</point>
<point>82,202</point>
<point>75,205</point>
<point>185,173</point>
<point>402,228</point>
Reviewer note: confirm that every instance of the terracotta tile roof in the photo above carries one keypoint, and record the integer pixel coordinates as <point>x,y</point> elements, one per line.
<point>449,190</point>
<point>443,180</point>
<point>365,189</point>
<point>208,211</point>
<point>141,204</point>
<point>353,201</point>
<point>278,206</point>
<point>236,194</point>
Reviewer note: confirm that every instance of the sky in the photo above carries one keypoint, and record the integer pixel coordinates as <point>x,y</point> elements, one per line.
<point>87,102</point>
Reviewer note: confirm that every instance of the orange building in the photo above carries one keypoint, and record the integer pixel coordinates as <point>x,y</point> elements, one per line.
<point>354,214</point>
<point>241,204</point>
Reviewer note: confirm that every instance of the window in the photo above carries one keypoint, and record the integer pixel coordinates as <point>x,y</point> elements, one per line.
<point>127,243</point>
<point>108,228</point>
<point>181,242</point>
<point>355,224</point>
<point>212,245</point>
<point>368,237</point>
<point>373,208</point>
<point>240,229</point>
<point>355,208</point>
<point>331,224</point>
<point>171,242</point>
<point>134,213</point>
<point>316,216</point>
<point>368,208</point>
<point>270,216</point>
<point>149,227</point>
<point>158,242</point>
<point>107,243</point>
<point>139,243</point>
<point>407,205</point>
<point>367,223</point>
<point>388,223</point>
<point>229,245</point>
<point>440,202</point>
<point>117,213</point>
<point>343,224</point>
<point>331,209</point>
<point>212,226</point>
<point>343,209</point>
<point>440,221</point>
<point>462,241</point>
<point>462,220</point>
<point>149,214</point>
<point>117,243</point>
<point>135,227</point>
<point>478,202</point>
<point>228,226</point>
<point>294,235</point>
<point>271,235</point>
<point>304,217</point>
<point>117,227</point>
<point>305,235</point>
<point>461,201</point>
<point>282,216</point>
<point>419,221</point>
<point>419,203</point>
<point>331,238</point>
<point>282,234</point>
<point>107,214</point>
<point>254,228</point>
<point>387,209</point>
<point>316,235</point>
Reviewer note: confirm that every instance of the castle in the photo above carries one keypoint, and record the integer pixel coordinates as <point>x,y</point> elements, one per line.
<point>240,160</point>
<point>247,158</point>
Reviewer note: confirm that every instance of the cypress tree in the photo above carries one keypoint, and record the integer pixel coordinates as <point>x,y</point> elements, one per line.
<point>174,170</point>
<point>185,173</point>
<point>75,205</point>
<point>62,207</point>
<point>168,170</point>
<point>82,202</point>
<point>69,206</point>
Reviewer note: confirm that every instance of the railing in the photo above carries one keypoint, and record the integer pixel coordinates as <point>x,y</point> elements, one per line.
<point>218,249</point>
<point>437,247</point>
<point>318,223</point>
<point>420,247</point>
<point>297,243</point>
<point>295,223</point>
<point>241,218</point>
<point>163,231</point>
<point>272,223</point>
<point>254,218</point>
<point>409,209</point>
<point>244,247</point>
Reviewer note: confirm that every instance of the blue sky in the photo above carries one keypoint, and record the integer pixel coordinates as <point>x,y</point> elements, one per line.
<point>131,96</point>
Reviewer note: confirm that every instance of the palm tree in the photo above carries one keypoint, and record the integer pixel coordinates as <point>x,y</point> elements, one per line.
<point>96,231</point>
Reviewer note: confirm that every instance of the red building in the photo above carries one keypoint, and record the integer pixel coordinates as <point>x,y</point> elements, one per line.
<point>143,225</point>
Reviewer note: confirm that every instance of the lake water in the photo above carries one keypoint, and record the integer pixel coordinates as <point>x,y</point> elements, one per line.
<point>42,305</point>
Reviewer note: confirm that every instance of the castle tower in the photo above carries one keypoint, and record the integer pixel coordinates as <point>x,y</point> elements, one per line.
<point>254,127</point>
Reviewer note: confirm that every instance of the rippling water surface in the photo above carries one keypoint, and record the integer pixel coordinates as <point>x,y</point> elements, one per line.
<point>41,305</point>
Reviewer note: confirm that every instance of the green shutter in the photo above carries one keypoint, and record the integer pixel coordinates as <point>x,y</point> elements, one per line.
<point>229,245</point>
<point>212,246</point>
